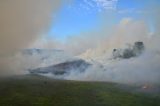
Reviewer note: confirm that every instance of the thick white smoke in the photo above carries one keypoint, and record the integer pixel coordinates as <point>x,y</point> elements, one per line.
<point>142,69</point>
<point>98,51</point>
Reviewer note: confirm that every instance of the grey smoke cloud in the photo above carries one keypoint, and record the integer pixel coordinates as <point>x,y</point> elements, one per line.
<point>22,21</point>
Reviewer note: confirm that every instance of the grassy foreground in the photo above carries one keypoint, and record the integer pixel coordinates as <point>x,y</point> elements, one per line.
<point>41,91</point>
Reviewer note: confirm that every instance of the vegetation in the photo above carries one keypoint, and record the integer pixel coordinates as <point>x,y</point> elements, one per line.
<point>34,90</point>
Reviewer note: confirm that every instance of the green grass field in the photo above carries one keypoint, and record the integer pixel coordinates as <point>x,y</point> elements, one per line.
<point>33,90</point>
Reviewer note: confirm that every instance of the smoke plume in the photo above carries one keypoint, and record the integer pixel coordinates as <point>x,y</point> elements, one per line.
<point>21,22</point>
<point>137,68</point>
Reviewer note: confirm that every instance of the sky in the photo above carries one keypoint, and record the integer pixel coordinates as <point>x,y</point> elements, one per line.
<point>81,16</point>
